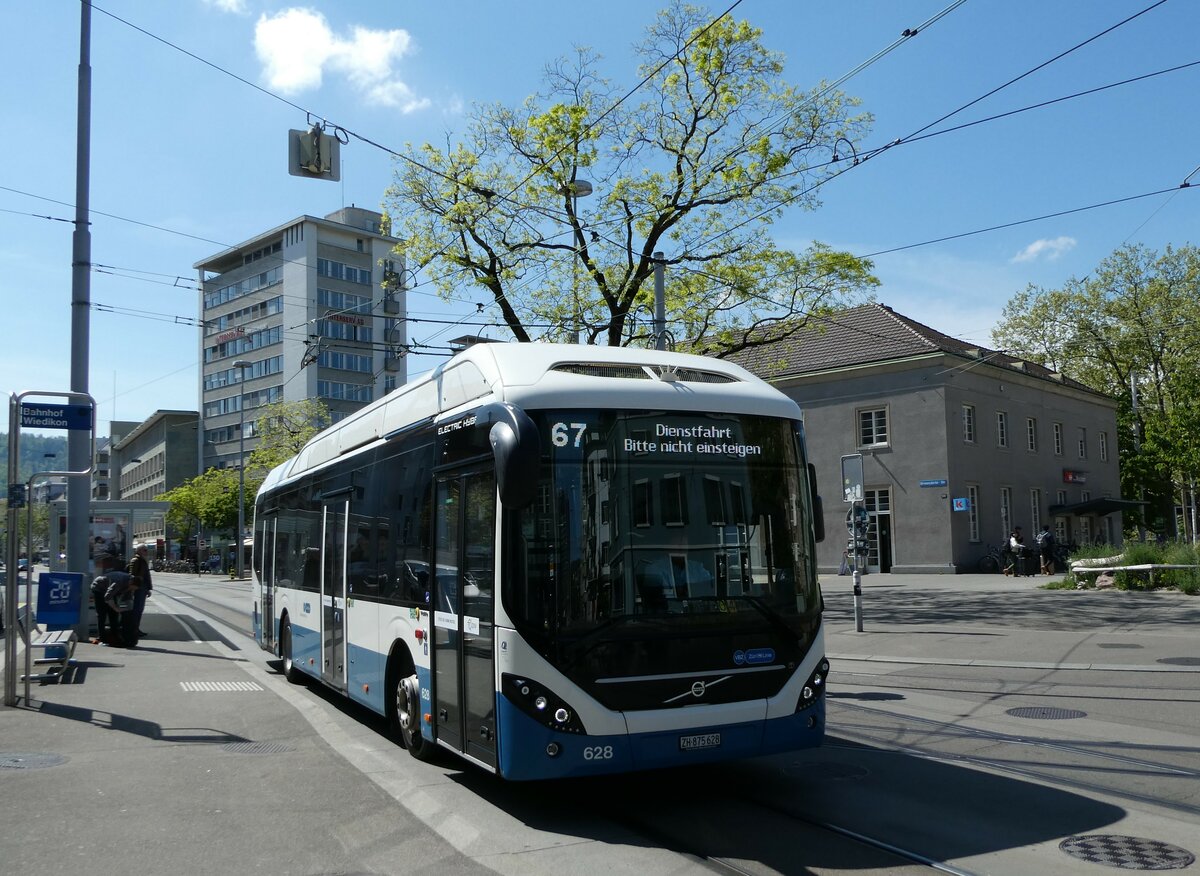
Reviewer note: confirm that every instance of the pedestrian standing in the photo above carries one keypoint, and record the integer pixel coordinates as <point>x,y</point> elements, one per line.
<point>139,568</point>
<point>108,624</point>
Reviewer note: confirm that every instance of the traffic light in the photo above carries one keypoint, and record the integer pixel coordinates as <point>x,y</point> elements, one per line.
<point>314,154</point>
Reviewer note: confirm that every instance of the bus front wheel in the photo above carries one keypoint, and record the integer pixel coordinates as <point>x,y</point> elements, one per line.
<point>290,672</point>
<point>405,716</point>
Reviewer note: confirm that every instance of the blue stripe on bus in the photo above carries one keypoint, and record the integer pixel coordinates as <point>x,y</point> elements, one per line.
<point>523,743</point>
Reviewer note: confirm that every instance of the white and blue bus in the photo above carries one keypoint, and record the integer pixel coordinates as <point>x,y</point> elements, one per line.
<point>557,560</point>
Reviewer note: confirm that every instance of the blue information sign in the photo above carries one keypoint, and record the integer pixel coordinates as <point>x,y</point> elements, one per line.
<point>962,504</point>
<point>44,416</point>
<point>60,599</point>
<point>934,483</point>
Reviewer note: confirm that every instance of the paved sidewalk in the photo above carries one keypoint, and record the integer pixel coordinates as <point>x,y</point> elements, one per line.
<point>993,620</point>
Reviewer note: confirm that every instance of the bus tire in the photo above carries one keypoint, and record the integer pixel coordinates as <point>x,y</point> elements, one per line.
<point>290,671</point>
<point>404,713</point>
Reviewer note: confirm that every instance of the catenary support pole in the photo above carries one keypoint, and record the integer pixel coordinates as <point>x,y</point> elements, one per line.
<point>78,447</point>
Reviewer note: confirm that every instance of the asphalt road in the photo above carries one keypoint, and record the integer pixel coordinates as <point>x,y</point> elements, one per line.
<point>976,725</point>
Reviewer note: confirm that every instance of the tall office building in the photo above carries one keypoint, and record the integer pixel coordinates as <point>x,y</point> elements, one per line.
<point>316,306</point>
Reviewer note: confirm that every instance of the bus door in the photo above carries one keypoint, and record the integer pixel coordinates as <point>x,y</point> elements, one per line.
<point>462,594</point>
<point>333,594</point>
<point>266,580</point>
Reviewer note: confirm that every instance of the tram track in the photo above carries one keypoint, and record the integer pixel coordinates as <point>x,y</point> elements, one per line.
<point>1064,774</point>
<point>840,842</point>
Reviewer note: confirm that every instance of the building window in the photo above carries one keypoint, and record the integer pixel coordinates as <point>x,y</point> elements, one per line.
<point>1006,523</point>
<point>1031,434</point>
<point>1001,428</point>
<point>1103,446</point>
<point>1035,511</point>
<point>872,427</point>
<point>1085,495</point>
<point>1058,439</point>
<point>968,415</point>
<point>674,500</point>
<point>642,511</point>
<point>972,512</point>
<point>1062,497</point>
<point>1082,443</point>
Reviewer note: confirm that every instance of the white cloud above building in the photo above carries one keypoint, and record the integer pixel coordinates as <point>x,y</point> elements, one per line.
<point>1045,249</point>
<point>297,48</point>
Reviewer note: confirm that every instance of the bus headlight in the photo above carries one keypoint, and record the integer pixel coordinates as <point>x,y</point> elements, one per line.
<point>814,687</point>
<point>540,703</point>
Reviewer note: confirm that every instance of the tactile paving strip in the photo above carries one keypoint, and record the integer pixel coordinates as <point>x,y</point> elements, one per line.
<point>1045,713</point>
<point>256,747</point>
<point>1127,852</point>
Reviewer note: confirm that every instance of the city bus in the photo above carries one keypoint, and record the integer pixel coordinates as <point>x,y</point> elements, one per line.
<point>556,560</point>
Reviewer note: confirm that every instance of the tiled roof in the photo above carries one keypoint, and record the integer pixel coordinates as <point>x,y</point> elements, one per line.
<point>871,334</point>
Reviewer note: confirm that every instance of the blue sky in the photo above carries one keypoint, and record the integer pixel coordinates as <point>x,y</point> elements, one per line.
<point>187,160</point>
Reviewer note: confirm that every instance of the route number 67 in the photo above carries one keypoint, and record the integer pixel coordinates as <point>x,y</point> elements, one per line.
<point>560,434</point>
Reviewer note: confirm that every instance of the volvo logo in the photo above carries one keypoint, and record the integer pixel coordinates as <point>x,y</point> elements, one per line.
<point>698,689</point>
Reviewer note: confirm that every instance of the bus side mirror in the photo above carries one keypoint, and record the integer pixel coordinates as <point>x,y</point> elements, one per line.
<point>517,450</point>
<point>818,508</point>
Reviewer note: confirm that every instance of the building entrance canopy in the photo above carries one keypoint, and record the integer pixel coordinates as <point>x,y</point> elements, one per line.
<point>1099,507</point>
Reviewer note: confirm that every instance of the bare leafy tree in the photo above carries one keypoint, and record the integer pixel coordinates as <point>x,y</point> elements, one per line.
<point>556,208</point>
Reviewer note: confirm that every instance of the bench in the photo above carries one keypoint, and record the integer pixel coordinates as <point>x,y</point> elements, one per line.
<point>53,649</point>
<point>1082,567</point>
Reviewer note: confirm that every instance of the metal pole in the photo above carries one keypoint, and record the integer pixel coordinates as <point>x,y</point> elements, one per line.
<point>660,304</point>
<point>78,450</point>
<point>1137,448</point>
<point>856,573</point>
<point>241,473</point>
<point>10,589</point>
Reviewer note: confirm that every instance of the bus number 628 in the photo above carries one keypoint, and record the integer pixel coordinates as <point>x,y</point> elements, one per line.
<point>598,752</point>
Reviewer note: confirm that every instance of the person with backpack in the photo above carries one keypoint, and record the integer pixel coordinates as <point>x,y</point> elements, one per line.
<point>139,568</point>
<point>1045,540</point>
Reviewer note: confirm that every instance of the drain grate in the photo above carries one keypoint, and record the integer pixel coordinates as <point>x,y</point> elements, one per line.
<point>16,760</point>
<point>1128,645</point>
<point>1180,661</point>
<point>218,686</point>
<point>256,747</point>
<point>1127,852</point>
<point>1045,713</point>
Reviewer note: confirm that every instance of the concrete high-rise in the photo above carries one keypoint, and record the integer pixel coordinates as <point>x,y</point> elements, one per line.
<point>316,306</point>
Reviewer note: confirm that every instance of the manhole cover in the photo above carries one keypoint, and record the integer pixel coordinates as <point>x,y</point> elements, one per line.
<point>15,760</point>
<point>1127,852</point>
<point>1180,661</point>
<point>1131,646</point>
<point>827,771</point>
<point>1044,713</point>
<point>256,747</point>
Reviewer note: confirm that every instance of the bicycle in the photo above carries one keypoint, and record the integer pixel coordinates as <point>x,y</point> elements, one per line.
<point>992,561</point>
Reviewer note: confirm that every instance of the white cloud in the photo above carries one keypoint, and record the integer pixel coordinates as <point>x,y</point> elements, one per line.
<point>237,7</point>
<point>296,47</point>
<point>1051,249</point>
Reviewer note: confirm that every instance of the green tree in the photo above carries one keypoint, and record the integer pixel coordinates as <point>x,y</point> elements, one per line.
<point>210,499</point>
<point>1133,322</point>
<point>697,164</point>
<point>282,430</point>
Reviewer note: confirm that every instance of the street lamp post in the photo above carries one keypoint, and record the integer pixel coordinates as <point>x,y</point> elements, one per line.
<point>241,365</point>
<point>578,188</point>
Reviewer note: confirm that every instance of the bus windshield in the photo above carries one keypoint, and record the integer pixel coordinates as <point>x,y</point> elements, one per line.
<point>664,543</point>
